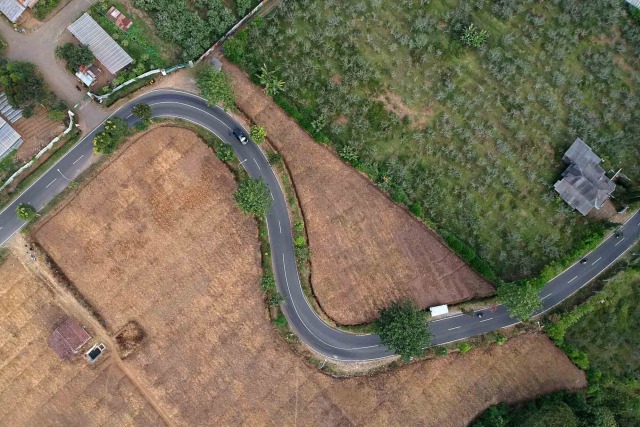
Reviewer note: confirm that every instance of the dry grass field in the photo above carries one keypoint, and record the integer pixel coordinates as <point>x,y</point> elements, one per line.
<point>156,237</point>
<point>366,251</point>
<point>36,387</point>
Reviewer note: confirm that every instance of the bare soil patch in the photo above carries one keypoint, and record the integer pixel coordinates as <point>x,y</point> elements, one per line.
<point>38,388</point>
<point>366,251</point>
<point>36,131</point>
<point>396,105</point>
<point>157,237</point>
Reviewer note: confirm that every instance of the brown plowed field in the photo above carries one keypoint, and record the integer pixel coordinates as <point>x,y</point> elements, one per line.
<point>366,251</point>
<point>36,387</point>
<point>37,131</point>
<point>156,237</point>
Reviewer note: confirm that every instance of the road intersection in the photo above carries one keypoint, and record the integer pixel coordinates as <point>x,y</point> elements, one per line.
<point>308,326</point>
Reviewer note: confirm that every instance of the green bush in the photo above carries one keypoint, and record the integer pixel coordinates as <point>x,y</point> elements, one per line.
<point>114,131</point>
<point>225,153</point>
<point>258,134</point>
<point>26,212</point>
<point>268,283</point>
<point>464,347</point>
<point>44,8</point>
<point>253,197</point>
<point>522,298</point>
<point>441,351</point>
<point>215,87</point>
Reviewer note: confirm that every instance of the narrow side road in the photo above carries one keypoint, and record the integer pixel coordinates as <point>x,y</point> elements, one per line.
<point>330,342</point>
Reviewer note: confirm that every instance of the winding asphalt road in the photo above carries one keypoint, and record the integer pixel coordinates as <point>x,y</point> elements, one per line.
<point>330,342</point>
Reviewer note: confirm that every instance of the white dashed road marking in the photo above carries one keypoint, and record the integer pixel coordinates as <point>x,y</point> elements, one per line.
<point>594,262</point>
<point>573,279</point>
<point>619,242</point>
<point>78,159</point>
<point>49,185</point>
<point>257,165</point>
<point>486,320</point>
<point>280,226</point>
<point>451,329</point>
<point>546,296</point>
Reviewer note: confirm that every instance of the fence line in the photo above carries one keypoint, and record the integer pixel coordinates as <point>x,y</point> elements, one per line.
<point>232,30</point>
<point>41,152</point>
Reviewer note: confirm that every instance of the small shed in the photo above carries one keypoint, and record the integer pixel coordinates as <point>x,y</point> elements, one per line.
<point>68,338</point>
<point>13,9</point>
<point>119,19</point>
<point>88,74</point>
<point>439,310</point>
<point>635,3</point>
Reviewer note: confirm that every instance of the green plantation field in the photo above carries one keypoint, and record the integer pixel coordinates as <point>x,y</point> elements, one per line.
<point>470,138</point>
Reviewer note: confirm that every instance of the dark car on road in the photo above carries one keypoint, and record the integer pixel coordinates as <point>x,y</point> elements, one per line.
<point>241,137</point>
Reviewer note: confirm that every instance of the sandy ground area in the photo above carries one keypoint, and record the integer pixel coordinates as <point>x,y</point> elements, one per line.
<point>36,387</point>
<point>366,251</point>
<point>156,237</point>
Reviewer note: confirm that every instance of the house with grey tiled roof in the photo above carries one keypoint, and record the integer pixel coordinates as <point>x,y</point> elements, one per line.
<point>584,186</point>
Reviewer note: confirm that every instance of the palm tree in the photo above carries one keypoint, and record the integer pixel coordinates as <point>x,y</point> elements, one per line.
<point>272,84</point>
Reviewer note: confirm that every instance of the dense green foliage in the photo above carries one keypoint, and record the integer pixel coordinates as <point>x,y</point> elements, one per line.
<point>474,37</point>
<point>600,336</point>
<point>75,55</point>
<point>192,25</point>
<point>139,41</point>
<point>215,87</point>
<point>23,84</point>
<point>253,197</point>
<point>403,329</point>
<point>44,8</point>
<point>485,129</point>
<point>114,132</point>
<point>8,166</point>
<point>143,111</point>
<point>521,298</point>
<point>258,134</point>
<point>26,212</point>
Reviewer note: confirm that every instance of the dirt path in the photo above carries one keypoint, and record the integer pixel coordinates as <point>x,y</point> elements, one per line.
<point>71,305</point>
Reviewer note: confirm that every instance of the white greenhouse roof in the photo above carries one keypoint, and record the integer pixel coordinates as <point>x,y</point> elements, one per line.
<point>636,3</point>
<point>439,310</point>
<point>105,49</point>
<point>9,138</point>
<point>11,9</point>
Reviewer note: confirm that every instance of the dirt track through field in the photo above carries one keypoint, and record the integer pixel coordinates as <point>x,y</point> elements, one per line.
<point>366,251</point>
<point>156,237</point>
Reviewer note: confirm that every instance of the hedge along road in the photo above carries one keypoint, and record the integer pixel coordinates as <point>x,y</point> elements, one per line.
<point>330,342</point>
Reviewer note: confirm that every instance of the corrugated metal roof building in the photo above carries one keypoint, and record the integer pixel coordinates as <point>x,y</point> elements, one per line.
<point>105,49</point>
<point>584,185</point>
<point>636,3</point>
<point>9,138</point>
<point>12,9</point>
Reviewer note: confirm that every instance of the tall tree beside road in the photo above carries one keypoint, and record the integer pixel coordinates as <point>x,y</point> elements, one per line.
<point>403,329</point>
<point>215,87</point>
<point>106,142</point>
<point>253,197</point>
<point>23,84</point>
<point>521,298</point>
<point>26,212</point>
<point>143,112</point>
